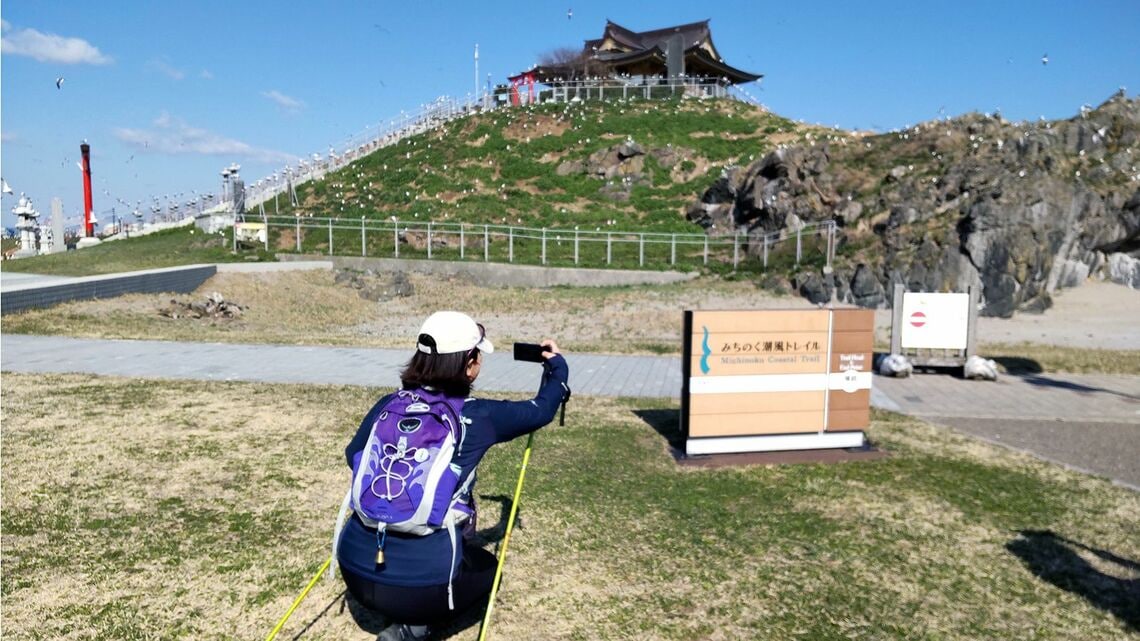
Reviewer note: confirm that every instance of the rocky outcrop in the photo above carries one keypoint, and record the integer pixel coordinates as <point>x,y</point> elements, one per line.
<point>215,307</point>
<point>1017,209</point>
<point>374,286</point>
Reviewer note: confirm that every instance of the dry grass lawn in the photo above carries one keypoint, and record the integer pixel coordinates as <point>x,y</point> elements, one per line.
<point>308,307</point>
<point>161,510</point>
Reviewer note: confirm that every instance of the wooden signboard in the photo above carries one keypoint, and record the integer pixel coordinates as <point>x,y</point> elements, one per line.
<point>767,380</point>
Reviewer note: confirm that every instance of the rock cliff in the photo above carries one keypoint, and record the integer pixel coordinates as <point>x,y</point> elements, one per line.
<point>1019,209</point>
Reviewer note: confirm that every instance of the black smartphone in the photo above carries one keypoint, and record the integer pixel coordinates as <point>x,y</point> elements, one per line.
<point>530,352</point>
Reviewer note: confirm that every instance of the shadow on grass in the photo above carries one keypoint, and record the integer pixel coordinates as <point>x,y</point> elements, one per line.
<point>367,619</point>
<point>1045,381</point>
<point>338,598</point>
<point>495,533</point>
<point>667,423</point>
<point>1056,560</point>
<point>1019,366</point>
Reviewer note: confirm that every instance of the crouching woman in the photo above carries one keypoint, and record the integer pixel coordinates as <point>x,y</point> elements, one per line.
<point>423,580</point>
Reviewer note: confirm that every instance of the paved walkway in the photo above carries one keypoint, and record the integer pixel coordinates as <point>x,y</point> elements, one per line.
<point>1088,422</point>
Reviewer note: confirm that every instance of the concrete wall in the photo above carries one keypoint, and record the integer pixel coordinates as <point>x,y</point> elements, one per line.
<point>172,279</point>
<point>504,274</point>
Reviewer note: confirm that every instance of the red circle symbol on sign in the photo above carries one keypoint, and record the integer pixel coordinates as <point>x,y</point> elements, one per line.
<point>918,319</point>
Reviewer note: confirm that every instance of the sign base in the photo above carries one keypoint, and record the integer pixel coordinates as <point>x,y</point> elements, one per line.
<point>774,443</point>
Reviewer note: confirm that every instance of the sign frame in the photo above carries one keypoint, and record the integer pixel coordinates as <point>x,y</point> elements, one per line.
<point>774,401</point>
<point>933,356</point>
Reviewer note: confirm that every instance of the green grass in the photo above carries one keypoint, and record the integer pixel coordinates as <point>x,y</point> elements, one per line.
<point>1031,358</point>
<point>162,249</point>
<point>947,538</point>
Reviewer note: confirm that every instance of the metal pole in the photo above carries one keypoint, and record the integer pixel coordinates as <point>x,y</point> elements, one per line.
<point>641,250</point>
<point>609,247</point>
<point>735,250</point>
<point>330,237</point>
<point>543,245</point>
<point>765,251</point>
<point>396,236</point>
<point>429,240</point>
<point>362,253</point>
<point>897,319</point>
<point>799,246</point>
<point>486,244</point>
<point>971,321</point>
<point>510,244</point>
<point>831,244</point>
<point>298,234</point>
<point>673,252</point>
<point>486,625</point>
<point>706,249</point>
<point>462,245</point>
<point>575,246</point>
<point>300,597</point>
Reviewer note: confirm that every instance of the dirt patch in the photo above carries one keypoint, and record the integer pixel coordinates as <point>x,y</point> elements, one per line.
<point>724,136</point>
<point>536,126</point>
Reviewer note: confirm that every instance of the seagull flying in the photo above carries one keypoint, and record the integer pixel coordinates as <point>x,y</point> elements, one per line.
<point>570,14</point>
<point>59,82</point>
<point>1045,59</point>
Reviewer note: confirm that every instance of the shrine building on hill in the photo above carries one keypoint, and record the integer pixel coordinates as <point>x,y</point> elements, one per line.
<point>684,53</point>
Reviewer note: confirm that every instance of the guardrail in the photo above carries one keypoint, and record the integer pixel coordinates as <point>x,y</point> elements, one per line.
<point>546,246</point>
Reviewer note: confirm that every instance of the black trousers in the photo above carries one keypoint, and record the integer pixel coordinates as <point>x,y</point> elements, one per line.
<point>428,605</point>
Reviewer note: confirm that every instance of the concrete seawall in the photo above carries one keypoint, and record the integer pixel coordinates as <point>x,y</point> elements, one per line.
<point>171,279</point>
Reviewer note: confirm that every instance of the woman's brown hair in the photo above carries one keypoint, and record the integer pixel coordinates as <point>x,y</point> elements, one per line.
<point>445,372</point>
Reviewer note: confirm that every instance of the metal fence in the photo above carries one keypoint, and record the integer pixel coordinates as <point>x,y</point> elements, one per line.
<point>606,89</point>
<point>811,242</point>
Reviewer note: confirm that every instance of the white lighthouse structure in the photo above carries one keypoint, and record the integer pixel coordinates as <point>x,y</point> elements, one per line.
<point>27,226</point>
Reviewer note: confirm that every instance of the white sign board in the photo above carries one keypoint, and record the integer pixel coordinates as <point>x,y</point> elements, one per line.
<point>935,321</point>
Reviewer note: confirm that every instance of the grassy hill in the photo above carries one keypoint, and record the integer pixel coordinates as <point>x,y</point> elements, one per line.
<point>504,167</point>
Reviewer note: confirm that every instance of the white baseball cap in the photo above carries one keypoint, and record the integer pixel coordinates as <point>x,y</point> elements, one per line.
<point>453,332</point>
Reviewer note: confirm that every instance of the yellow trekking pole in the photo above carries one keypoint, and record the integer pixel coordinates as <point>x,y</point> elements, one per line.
<point>300,598</point>
<point>506,539</point>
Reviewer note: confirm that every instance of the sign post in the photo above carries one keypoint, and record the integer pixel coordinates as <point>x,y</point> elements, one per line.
<point>934,330</point>
<point>758,381</point>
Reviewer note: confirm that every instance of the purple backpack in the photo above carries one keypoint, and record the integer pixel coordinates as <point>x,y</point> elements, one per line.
<point>404,478</point>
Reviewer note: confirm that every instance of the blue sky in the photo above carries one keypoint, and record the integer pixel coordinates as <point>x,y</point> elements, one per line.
<point>170,93</point>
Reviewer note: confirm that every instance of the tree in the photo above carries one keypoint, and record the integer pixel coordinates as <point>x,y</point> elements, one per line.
<point>568,62</point>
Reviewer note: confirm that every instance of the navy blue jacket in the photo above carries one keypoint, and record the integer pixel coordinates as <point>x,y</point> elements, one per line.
<point>411,560</point>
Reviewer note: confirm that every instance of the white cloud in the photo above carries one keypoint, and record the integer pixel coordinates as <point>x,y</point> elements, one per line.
<point>283,101</point>
<point>165,68</point>
<point>206,75</point>
<point>49,47</point>
<point>173,136</point>
<point>8,136</point>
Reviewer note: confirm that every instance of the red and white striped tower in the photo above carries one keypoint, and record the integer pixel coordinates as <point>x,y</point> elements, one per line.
<point>88,209</point>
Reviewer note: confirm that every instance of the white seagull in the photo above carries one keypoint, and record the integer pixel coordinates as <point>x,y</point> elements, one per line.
<point>59,82</point>
<point>1045,59</point>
